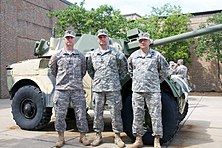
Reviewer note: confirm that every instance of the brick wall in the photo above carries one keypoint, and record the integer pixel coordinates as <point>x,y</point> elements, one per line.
<point>203,75</point>
<point>22,22</point>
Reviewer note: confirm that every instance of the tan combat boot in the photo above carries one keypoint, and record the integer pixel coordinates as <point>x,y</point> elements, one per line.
<point>118,141</point>
<point>97,140</point>
<point>157,142</point>
<point>138,143</point>
<point>61,140</point>
<point>83,139</point>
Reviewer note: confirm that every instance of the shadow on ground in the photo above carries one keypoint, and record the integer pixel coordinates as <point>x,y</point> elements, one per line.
<point>193,132</point>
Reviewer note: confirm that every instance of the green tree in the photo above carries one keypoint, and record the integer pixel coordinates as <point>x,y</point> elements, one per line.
<point>210,45</point>
<point>83,21</point>
<point>164,22</point>
<point>72,16</point>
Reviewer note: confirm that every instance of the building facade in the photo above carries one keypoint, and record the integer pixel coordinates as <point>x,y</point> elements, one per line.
<point>202,75</point>
<point>22,22</point>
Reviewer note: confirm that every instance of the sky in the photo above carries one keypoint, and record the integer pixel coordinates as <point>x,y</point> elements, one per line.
<point>144,7</point>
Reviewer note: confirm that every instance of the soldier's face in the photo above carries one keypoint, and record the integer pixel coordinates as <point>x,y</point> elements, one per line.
<point>144,43</point>
<point>69,41</point>
<point>103,40</point>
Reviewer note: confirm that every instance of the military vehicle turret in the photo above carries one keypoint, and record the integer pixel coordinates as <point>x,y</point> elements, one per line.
<point>32,87</point>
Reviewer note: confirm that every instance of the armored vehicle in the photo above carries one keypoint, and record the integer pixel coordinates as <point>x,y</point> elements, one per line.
<point>31,86</point>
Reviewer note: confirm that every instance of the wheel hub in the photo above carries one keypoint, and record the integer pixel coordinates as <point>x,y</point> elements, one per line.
<point>28,109</point>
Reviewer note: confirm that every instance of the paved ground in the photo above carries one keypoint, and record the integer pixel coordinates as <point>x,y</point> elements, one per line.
<point>202,128</point>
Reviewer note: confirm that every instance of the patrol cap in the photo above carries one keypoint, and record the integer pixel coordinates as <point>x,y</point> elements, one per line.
<point>69,33</point>
<point>172,63</point>
<point>144,35</point>
<point>180,60</point>
<point>102,32</point>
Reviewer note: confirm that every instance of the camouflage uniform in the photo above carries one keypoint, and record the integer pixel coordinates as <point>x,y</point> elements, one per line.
<point>147,72</point>
<point>69,70</point>
<point>182,71</point>
<point>107,69</point>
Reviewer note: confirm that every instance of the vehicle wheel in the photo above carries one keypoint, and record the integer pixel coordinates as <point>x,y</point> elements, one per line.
<point>127,116</point>
<point>170,119</point>
<point>183,115</point>
<point>28,108</point>
<point>70,114</point>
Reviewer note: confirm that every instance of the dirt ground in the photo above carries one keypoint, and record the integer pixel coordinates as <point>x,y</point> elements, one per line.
<point>205,94</point>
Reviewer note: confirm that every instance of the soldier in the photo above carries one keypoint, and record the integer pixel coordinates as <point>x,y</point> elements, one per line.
<point>107,66</point>
<point>148,68</point>
<point>181,69</point>
<point>68,65</point>
<point>172,65</point>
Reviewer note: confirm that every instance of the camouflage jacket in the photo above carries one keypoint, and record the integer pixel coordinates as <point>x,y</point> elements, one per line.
<point>182,71</point>
<point>147,71</point>
<point>107,69</point>
<point>69,69</point>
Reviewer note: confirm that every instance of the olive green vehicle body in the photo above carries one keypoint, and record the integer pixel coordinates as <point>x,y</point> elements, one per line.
<point>33,74</point>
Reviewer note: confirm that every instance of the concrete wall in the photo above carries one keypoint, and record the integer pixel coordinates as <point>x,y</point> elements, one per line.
<point>22,22</point>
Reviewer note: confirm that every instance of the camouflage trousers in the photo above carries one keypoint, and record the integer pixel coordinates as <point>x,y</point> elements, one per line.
<point>114,102</point>
<point>61,103</point>
<point>154,105</point>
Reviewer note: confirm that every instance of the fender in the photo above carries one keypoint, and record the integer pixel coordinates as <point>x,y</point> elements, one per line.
<point>180,89</point>
<point>31,72</point>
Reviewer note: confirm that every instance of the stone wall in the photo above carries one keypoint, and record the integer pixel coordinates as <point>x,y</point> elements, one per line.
<point>22,22</point>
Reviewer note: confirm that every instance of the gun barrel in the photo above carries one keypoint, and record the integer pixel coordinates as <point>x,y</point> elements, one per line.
<point>187,35</point>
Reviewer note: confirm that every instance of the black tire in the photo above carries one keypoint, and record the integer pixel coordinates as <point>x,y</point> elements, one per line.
<point>28,108</point>
<point>70,114</point>
<point>127,116</point>
<point>183,115</point>
<point>170,119</point>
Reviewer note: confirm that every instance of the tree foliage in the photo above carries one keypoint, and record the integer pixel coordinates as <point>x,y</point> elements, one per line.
<point>83,21</point>
<point>210,45</point>
<point>163,22</point>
